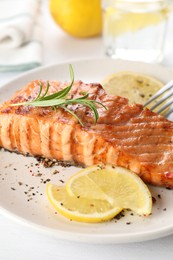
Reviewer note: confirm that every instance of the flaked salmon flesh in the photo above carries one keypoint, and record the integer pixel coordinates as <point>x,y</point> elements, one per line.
<point>125,135</point>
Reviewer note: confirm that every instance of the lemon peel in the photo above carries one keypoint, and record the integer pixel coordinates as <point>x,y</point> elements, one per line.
<point>80,209</point>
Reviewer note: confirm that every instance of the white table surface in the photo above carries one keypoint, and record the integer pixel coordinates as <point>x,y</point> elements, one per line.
<point>18,242</point>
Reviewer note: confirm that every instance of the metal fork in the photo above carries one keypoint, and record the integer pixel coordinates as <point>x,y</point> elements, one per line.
<point>165,94</point>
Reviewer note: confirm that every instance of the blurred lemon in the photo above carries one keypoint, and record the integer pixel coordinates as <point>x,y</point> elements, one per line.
<point>78,18</point>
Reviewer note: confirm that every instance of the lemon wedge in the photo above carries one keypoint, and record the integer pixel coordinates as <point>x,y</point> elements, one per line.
<point>119,186</point>
<point>80,209</point>
<point>137,87</point>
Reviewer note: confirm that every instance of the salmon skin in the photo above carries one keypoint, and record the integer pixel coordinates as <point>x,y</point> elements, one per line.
<point>125,135</point>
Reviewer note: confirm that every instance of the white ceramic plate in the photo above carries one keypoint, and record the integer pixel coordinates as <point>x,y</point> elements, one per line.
<point>23,180</point>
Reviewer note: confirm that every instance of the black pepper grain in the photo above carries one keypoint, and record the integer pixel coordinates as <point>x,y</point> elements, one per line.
<point>120,215</point>
<point>47,180</point>
<point>38,175</point>
<point>55,172</point>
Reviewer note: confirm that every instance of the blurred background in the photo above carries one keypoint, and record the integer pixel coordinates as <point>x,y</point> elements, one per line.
<point>40,32</point>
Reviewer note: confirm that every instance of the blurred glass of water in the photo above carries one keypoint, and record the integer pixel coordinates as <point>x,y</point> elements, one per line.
<point>135,30</point>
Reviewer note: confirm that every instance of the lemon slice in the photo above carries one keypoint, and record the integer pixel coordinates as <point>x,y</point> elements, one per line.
<point>137,87</point>
<point>118,22</point>
<point>121,187</point>
<point>80,209</point>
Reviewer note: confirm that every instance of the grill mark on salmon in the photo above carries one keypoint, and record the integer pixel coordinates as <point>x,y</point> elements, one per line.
<point>125,135</point>
<point>131,127</point>
<point>146,148</point>
<point>142,140</point>
<point>147,119</point>
<point>156,157</point>
<point>138,132</point>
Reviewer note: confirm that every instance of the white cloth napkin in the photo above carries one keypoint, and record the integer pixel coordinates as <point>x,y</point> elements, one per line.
<point>20,35</point>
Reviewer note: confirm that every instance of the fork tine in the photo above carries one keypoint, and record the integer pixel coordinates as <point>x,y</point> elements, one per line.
<point>168,113</point>
<point>160,92</point>
<point>165,106</point>
<point>161,100</point>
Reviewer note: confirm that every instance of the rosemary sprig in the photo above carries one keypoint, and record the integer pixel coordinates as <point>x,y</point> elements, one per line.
<point>59,99</point>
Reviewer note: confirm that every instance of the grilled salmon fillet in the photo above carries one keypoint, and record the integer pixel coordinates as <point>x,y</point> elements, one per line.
<point>125,135</point>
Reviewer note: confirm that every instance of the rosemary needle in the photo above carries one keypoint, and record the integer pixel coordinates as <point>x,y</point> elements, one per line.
<point>59,99</point>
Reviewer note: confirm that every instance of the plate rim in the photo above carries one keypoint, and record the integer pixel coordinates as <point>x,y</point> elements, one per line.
<point>87,238</point>
<point>101,59</point>
<point>77,236</point>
